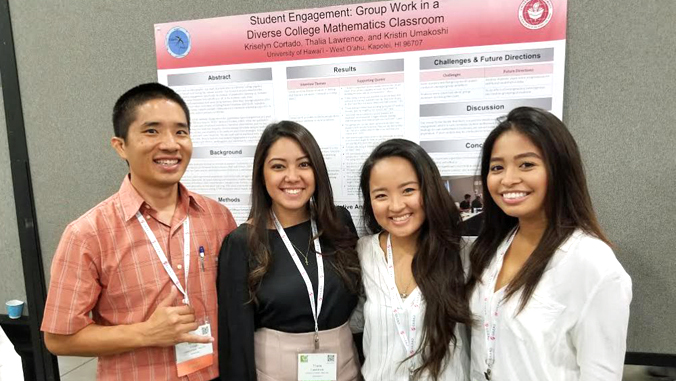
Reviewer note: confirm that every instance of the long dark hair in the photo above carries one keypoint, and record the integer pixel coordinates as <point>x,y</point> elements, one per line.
<point>567,203</point>
<point>346,261</point>
<point>437,267</point>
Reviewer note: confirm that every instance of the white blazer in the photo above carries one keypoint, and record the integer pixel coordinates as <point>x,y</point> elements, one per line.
<point>573,328</point>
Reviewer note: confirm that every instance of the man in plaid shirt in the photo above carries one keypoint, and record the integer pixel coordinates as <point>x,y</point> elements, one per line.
<point>133,280</point>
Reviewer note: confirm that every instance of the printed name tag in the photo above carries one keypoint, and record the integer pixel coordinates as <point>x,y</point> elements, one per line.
<point>317,366</point>
<point>191,357</point>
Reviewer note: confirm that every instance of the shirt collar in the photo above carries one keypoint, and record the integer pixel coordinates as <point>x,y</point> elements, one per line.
<point>571,240</point>
<point>132,201</point>
<point>563,249</point>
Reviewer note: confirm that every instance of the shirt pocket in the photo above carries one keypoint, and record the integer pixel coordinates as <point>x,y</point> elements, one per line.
<point>537,322</point>
<point>206,271</point>
<point>210,262</point>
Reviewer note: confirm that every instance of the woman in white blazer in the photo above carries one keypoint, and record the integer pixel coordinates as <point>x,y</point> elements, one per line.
<point>550,298</point>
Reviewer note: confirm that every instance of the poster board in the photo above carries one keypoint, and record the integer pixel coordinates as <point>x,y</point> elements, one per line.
<point>435,72</point>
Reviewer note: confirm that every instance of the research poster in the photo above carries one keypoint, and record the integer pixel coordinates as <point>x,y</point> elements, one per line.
<point>435,72</point>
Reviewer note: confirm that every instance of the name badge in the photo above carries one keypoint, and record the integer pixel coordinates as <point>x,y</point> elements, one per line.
<point>191,357</point>
<point>317,366</point>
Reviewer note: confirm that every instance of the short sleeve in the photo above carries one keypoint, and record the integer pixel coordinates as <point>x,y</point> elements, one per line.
<point>74,287</point>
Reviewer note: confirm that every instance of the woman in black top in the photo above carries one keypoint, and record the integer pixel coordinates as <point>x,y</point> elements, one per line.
<point>265,314</point>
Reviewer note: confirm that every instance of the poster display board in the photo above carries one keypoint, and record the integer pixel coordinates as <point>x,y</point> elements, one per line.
<point>436,72</point>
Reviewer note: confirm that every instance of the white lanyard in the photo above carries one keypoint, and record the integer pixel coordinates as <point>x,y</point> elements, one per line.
<point>492,302</point>
<point>320,270</point>
<point>407,339</point>
<point>163,258</point>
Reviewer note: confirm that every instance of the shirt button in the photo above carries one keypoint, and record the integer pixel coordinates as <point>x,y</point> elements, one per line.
<point>179,267</point>
<point>147,206</point>
<point>148,217</point>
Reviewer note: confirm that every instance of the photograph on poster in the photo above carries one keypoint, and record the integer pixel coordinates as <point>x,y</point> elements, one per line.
<point>467,194</point>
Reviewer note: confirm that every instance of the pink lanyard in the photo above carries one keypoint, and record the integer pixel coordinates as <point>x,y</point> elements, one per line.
<point>163,257</point>
<point>491,309</point>
<point>407,334</point>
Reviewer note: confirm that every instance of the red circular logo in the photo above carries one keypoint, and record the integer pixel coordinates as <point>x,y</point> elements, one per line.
<point>535,14</point>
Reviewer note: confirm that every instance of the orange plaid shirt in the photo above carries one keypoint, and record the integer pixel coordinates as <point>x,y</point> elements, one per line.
<point>105,265</point>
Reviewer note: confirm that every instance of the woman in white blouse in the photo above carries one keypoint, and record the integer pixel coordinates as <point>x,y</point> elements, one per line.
<point>415,313</point>
<point>551,298</point>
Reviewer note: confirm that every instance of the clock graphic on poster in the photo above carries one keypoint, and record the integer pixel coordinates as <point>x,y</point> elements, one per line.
<point>178,42</point>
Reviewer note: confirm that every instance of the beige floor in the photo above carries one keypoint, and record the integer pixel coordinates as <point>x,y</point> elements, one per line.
<point>84,369</point>
<point>77,368</point>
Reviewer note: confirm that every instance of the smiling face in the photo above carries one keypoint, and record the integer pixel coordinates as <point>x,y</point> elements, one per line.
<point>289,177</point>
<point>517,178</point>
<point>158,145</point>
<point>396,197</point>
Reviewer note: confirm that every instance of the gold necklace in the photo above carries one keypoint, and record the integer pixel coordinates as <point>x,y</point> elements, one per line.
<point>405,294</point>
<point>307,252</point>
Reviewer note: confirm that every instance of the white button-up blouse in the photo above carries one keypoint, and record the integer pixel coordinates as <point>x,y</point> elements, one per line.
<point>573,328</point>
<point>383,347</point>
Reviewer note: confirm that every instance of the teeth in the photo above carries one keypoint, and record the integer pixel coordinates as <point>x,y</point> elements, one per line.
<point>514,195</point>
<point>292,191</point>
<point>167,162</point>
<point>401,218</point>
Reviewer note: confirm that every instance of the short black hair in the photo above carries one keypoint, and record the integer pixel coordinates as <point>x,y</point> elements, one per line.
<point>467,196</point>
<point>124,111</point>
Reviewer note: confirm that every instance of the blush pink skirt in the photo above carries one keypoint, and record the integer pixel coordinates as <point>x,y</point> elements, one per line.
<point>277,352</point>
